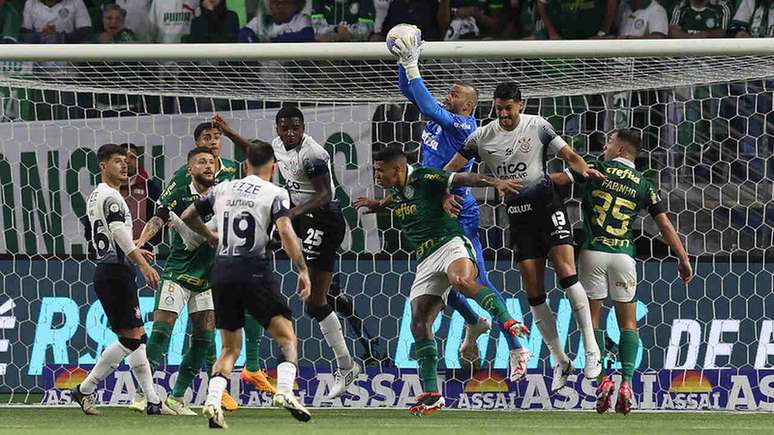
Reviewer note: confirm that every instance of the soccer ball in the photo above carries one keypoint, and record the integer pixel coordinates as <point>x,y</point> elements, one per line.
<point>406,32</point>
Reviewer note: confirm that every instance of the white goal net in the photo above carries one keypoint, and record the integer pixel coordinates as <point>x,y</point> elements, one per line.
<point>707,119</point>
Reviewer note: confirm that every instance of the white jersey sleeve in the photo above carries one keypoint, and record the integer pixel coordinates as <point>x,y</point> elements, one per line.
<point>111,225</point>
<point>549,138</point>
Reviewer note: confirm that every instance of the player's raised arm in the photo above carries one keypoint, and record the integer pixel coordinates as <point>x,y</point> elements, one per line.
<point>192,216</point>
<point>504,186</point>
<point>241,143</point>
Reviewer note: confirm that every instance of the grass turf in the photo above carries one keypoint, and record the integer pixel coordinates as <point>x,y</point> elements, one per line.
<point>62,421</point>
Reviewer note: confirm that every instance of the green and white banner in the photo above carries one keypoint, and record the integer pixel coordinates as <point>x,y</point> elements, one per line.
<point>47,169</point>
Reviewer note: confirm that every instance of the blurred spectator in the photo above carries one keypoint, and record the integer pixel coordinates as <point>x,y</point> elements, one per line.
<point>137,17</point>
<point>475,19</point>
<point>113,27</point>
<point>343,20</point>
<point>753,19</point>
<point>642,19</point>
<point>170,20</point>
<point>580,19</point>
<point>140,192</point>
<point>286,23</point>
<point>380,13</point>
<point>215,23</point>
<point>699,19</point>
<point>55,22</point>
<point>10,23</point>
<point>431,16</point>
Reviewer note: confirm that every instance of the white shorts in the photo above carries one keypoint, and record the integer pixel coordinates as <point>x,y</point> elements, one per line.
<point>602,273</point>
<point>431,278</point>
<point>173,297</point>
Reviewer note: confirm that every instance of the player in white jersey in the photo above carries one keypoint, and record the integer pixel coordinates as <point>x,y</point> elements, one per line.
<point>317,219</point>
<point>516,147</point>
<point>242,276</point>
<point>114,282</point>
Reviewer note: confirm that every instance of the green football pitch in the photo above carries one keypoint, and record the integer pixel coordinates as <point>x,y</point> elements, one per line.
<point>62,421</point>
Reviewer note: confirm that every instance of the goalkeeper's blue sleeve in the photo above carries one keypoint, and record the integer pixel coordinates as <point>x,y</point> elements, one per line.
<point>427,104</point>
<point>403,83</point>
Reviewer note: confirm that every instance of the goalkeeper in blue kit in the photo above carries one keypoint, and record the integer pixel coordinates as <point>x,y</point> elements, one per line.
<point>449,124</point>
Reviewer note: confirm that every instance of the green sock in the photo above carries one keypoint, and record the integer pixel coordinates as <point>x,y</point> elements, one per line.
<point>212,356</point>
<point>629,344</point>
<point>253,337</point>
<point>193,360</point>
<point>492,304</point>
<point>427,358</point>
<point>599,335</point>
<point>158,343</point>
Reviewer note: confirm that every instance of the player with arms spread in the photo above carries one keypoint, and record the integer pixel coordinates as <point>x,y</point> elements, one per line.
<point>449,124</point>
<point>317,219</point>
<point>114,282</point>
<point>242,275</point>
<point>606,261</point>
<point>445,257</point>
<point>515,147</point>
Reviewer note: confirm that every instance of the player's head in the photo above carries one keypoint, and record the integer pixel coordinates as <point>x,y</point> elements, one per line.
<point>282,10</point>
<point>131,158</point>
<point>389,165</point>
<point>201,166</point>
<point>461,99</point>
<point>290,125</point>
<point>622,143</point>
<point>112,163</point>
<point>260,161</point>
<point>206,135</point>
<point>508,104</point>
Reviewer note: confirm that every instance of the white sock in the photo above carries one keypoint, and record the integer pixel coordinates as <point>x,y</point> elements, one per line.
<point>109,360</point>
<point>215,390</point>
<point>580,310</point>
<point>331,330</point>
<point>286,375</point>
<point>546,324</point>
<point>138,362</point>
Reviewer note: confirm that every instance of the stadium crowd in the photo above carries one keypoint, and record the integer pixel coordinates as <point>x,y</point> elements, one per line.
<point>211,21</point>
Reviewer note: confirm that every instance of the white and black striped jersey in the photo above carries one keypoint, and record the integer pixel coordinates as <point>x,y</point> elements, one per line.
<point>520,153</point>
<point>108,214</point>
<point>245,211</point>
<point>299,165</point>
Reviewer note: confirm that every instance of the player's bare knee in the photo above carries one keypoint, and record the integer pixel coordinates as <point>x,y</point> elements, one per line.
<point>421,328</point>
<point>203,321</point>
<point>164,316</point>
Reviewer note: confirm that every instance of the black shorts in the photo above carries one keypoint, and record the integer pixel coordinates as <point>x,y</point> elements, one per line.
<point>321,234</point>
<point>538,222</point>
<point>240,285</point>
<point>116,290</point>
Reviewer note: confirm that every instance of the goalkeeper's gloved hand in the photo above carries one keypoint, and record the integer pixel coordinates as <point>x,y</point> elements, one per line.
<point>409,56</point>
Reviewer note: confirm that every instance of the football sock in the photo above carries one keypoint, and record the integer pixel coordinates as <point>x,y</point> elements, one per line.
<point>599,335</point>
<point>460,303</point>
<point>215,389</point>
<point>211,358</point>
<point>427,359</point>
<point>286,376</point>
<point>489,301</point>
<point>546,324</point>
<point>331,330</point>
<point>158,343</point>
<point>580,310</point>
<point>628,346</point>
<point>138,363</point>
<point>193,360</point>
<point>109,360</point>
<point>253,336</point>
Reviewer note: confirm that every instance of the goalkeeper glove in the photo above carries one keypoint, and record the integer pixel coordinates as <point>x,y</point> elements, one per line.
<point>409,56</point>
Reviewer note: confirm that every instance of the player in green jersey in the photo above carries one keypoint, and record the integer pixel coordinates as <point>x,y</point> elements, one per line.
<point>606,260</point>
<point>445,257</point>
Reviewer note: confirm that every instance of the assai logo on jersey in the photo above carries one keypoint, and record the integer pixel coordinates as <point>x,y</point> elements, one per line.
<point>487,389</point>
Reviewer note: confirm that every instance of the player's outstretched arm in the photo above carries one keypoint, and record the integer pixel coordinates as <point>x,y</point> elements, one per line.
<point>674,242</point>
<point>293,249</point>
<point>579,165</point>
<point>504,186</point>
<point>560,179</point>
<point>456,163</point>
<point>240,142</point>
<point>373,205</point>
<point>322,185</point>
<point>192,217</point>
<point>150,229</point>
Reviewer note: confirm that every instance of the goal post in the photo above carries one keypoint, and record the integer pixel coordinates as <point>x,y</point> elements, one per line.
<point>704,108</point>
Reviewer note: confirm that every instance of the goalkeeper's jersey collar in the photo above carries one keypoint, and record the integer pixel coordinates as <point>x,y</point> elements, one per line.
<point>625,161</point>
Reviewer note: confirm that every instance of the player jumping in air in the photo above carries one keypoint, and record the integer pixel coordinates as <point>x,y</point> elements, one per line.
<point>515,147</point>
<point>449,124</point>
<point>606,261</point>
<point>114,282</point>
<point>242,275</point>
<point>444,256</point>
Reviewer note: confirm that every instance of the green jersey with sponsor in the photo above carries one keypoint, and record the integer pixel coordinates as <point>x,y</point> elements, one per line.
<point>190,269</point>
<point>418,208</point>
<point>709,17</point>
<point>610,207</point>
